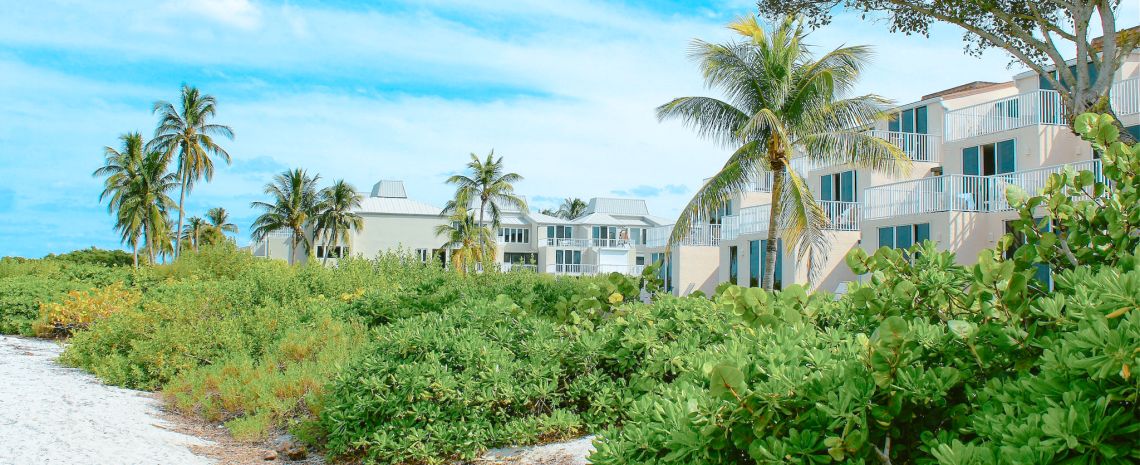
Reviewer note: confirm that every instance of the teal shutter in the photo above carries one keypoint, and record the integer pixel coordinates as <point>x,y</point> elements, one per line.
<point>893,123</point>
<point>908,121</point>
<point>970,161</point>
<point>550,231</point>
<point>733,265</point>
<point>825,188</point>
<point>1134,130</point>
<point>597,232</point>
<point>847,186</point>
<point>1006,156</point>
<point>904,237</point>
<point>921,232</point>
<point>1043,83</point>
<point>920,123</point>
<point>887,237</point>
<point>754,263</point>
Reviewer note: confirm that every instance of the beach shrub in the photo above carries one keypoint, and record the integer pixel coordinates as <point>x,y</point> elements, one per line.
<point>21,298</point>
<point>81,309</point>
<point>95,256</point>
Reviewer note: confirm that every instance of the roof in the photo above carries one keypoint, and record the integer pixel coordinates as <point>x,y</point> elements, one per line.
<point>606,219</point>
<point>396,206</point>
<point>1098,42</point>
<point>389,189</point>
<point>545,219</point>
<point>966,89</point>
<point>617,206</point>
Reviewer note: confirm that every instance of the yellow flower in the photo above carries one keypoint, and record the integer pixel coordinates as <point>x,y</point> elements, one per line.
<point>616,298</point>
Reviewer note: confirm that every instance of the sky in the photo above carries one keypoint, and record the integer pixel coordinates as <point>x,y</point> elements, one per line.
<point>564,91</point>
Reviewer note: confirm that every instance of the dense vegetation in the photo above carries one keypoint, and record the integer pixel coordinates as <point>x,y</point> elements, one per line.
<point>394,361</point>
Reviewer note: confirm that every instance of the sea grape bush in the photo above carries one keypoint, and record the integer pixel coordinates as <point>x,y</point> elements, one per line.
<point>82,309</point>
<point>929,361</point>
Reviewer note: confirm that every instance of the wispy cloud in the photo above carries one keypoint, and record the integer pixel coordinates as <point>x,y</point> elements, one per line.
<point>646,191</point>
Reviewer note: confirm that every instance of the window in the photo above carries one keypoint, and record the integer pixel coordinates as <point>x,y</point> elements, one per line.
<point>422,255</point>
<point>754,263</point>
<point>1134,130</point>
<point>640,260</point>
<point>559,232</point>
<point>520,258</point>
<point>902,237</point>
<point>912,120</point>
<point>637,236</point>
<point>838,186</point>
<point>720,212</point>
<point>990,159</point>
<point>332,252</point>
<point>568,261</point>
<point>514,235</point>
<point>733,265</point>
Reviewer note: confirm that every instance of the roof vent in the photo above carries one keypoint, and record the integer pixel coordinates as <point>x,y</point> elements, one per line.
<point>389,189</point>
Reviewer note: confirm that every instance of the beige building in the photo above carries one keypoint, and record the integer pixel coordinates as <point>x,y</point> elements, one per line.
<point>966,144</point>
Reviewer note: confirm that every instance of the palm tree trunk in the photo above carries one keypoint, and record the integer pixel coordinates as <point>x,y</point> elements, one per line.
<point>135,252</point>
<point>181,200</point>
<point>292,247</point>
<point>769,276</point>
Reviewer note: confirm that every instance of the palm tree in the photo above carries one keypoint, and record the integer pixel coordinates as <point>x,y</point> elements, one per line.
<point>219,219</point>
<point>294,198</point>
<point>781,101</point>
<point>335,216</point>
<point>120,168</point>
<point>143,209</point>
<point>194,228</point>
<point>471,243</point>
<point>189,132</point>
<point>571,208</point>
<point>487,183</point>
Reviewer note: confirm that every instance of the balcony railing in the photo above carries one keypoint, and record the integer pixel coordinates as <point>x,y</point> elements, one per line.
<point>919,147</point>
<point>1028,109</point>
<point>841,216</point>
<point>751,220</point>
<point>508,267</point>
<point>564,242</point>
<point>1125,97</point>
<point>610,243</point>
<point>956,192</point>
<point>762,183</point>
<point>593,269</point>
<point>699,235</point>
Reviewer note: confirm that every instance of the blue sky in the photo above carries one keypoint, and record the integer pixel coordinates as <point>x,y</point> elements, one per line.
<point>365,91</point>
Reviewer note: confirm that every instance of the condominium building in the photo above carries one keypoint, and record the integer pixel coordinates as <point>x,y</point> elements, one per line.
<point>611,236</point>
<point>966,144</point>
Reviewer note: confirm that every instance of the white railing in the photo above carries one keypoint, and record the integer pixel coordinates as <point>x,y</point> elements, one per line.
<point>699,235</point>
<point>919,147</point>
<point>762,183</point>
<point>564,242</point>
<point>1125,97</point>
<point>841,216</point>
<point>750,220</point>
<point>593,269</point>
<point>508,267</point>
<point>957,192</point>
<point>610,243</point>
<point>1030,108</point>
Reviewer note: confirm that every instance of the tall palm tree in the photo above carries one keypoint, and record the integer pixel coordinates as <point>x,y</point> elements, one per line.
<point>487,183</point>
<point>781,101</point>
<point>189,133</point>
<point>143,210</point>
<point>294,199</point>
<point>195,226</point>
<point>335,215</point>
<point>571,208</point>
<point>120,167</point>
<point>219,219</point>
<point>471,244</point>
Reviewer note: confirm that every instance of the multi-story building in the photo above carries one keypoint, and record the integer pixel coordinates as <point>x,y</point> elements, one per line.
<point>966,145</point>
<point>609,237</point>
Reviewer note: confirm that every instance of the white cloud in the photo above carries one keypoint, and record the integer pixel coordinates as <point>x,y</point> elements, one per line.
<point>242,14</point>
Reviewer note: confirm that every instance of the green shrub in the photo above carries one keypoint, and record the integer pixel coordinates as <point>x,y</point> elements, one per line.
<point>22,296</point>
<point>95,256</point>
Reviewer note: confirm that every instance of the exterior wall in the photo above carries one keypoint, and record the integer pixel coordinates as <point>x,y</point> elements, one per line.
<point>964,233</point>
<point>695,269</point>
<point>390,232</point>
<point>1036,146</point>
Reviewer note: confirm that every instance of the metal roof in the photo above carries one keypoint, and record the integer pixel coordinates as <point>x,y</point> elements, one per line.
<point>389,189</point>
<point>396,206</point>
<point>632,207</point>
<point>605,219</point>
<point>545,219</point>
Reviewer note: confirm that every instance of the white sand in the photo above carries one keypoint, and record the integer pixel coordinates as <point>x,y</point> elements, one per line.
<point>561,453</point>
<point>50,414</point>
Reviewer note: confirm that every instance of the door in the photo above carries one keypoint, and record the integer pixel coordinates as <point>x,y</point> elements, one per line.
<point>610,261</point>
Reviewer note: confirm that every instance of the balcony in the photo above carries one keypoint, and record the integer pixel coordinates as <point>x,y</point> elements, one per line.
<point>610,243</point>
<point>919,147</point>
<point>1028,109</point>
<point>1125,97</point>
<point>699,235</point>
<point>591,269</point>
<point>957,192</point>
<point>841,216</point>
<point>564,242</point>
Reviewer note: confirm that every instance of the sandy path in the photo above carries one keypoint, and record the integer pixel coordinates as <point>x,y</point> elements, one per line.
<point>50,414</point>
